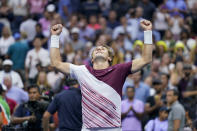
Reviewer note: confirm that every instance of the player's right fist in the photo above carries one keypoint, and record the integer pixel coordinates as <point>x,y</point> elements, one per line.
<point>56,29</point>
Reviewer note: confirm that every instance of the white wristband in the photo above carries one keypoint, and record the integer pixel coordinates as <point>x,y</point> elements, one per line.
<point>148,37</point>
<point>55,41</point>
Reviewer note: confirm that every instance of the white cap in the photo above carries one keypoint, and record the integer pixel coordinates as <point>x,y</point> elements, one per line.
<point>7,62</point>
<point>51,8</point>
<point>75,30</point>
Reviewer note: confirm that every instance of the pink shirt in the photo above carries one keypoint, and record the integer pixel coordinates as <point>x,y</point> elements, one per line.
<point>37,6</point>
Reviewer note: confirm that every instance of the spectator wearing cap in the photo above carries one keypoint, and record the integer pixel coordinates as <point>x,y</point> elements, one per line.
<point>76,43</point>
<point>5,41</point>
<point>13,92</point>
<point>17,53</point>
<point>132,110</point>
<point>176,118</point>
<point>7,70</point>
<point>4,108</point>
<point>155,102</point>
<point>160,123</point>
<point>35,56</point>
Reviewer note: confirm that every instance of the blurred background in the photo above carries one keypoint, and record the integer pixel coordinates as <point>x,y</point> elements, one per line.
<point>25,39</point>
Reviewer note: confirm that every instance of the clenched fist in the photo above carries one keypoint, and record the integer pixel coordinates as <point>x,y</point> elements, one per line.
<point>56,29</point>
<point>146,25</point>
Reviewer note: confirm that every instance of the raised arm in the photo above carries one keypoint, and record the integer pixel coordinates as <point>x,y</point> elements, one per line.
<point>146,58</point>
<point>55,52</point>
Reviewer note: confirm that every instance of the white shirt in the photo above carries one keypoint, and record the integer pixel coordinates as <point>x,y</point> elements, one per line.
<point>16,79</point>
<point>156,125</point>
<point>127,42</point>
<point>29,27</point>
<point>5,43</point>
<point>52,77</point>
<point>19,7</point>
<point>160,22</point>
<point>33,58</point>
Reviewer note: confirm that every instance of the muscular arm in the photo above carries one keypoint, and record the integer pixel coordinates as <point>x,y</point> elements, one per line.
<point>146,58</point>
<point>55,52</point>
<point>19,120</point>
<point>138,64</point>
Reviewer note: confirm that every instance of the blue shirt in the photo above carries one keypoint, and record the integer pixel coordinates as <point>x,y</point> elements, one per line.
<point>63,3</point>
<point>179,4</point>
<point>141,93</point>
<point>68,105</point>
<point>17,53</point>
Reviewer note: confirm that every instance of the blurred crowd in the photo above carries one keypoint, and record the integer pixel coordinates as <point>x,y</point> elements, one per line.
<point>25,43</point>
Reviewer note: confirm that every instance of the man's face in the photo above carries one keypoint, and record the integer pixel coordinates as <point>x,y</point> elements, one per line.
<point>164,79</point>
<point>7,68</point>
<point>137,76</point>
<point>163,115</point>
<point>100,52</point>
<point>158,88</point>
<point>170,97</point>
<point>34,95</point>
<point>130,92</point>
<point>37,43</point>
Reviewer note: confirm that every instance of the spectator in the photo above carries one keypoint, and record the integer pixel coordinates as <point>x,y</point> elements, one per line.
<point>5,13</point>
<point>160,123</point>
<point>161,48</point>
<point>187,88</point>
<point>41,35</point>
<point>142,91</point>
<point>30,31</point>
<point>177,6</point>
<point>36,7</point>
<point>137,48</point>
<point>69,53</point>
<point>17,53</point>
<point>193,19</point>
<point>118,55</point>
<point>14,93</point>
<point>31,111</point>
<point>35,56</point>
<point>176,118</point>
<point>127,32</point>
<point>20,10</point>
<point>86,33</point>
<point>112,20</point>
<point>5,41</point>
<point>69,111</point>
<point>103,27</point>
<point>53,77</point>
<point>4,108</point>
<point>7,70</point>
<point>65,8</point>
<point>93,23</point>
<point>90,7</point>
<point>161,19</point>
<point>155,102</point>
<point>170,42</point>
<point>132,111</point>
<point>42,83</point>
<point>149,9</point>
<point>76,43</point>
<point>176,23</point>
<point>121,7</point>
<point>105,6</point>
<point>46,22</point>
<point>165,62</point>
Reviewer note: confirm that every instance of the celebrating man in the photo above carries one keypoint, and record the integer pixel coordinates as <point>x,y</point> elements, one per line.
<point>101,85</point>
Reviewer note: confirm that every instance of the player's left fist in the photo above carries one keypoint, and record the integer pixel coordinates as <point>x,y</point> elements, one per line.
<point>146,25</point>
